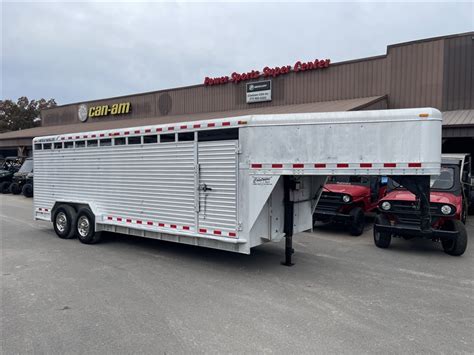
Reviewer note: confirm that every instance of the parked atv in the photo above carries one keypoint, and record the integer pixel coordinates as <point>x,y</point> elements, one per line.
<point>9,167</point>
<point>20,178</point>
<point>346,200</point>
<point>449,197</point>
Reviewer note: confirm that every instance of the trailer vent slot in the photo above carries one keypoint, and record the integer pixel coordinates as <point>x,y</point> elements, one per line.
<point>150,139</point>
<point>134,140</point>
<point>167,138</point>
<point>119,141</point>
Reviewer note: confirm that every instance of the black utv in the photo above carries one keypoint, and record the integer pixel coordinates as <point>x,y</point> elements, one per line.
<point>8,168</point>
<point>20,178</point>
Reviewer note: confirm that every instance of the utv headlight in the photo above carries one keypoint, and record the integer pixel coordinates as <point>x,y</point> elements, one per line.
<point>346,198</point>
<point>386,205</point>
<point>445,209</point>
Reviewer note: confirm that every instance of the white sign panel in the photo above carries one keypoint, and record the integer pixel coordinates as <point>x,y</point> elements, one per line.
<point>259,91</point>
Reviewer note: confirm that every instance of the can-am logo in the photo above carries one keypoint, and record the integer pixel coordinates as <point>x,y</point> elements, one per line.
<point>103,110</point>
<point>268,72</point>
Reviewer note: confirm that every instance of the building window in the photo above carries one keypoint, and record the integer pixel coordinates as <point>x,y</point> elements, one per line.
<point>150,139</point>
<point>134,140</point>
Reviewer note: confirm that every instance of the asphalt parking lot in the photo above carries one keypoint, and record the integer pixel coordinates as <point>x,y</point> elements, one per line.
<point>132,295</point>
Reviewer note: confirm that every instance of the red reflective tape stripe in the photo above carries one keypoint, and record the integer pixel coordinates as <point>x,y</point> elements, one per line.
<point>183,127</point>
<point>126,132</point>
<point>119,219</point>
<point>211,125</point>
<point>217,232</point>
<point>150,223</point>
<point>46,209</point>
<point>277,166</point>
<point>389,165</point>
<point>93,136</point>
<point>161,224</point>
<point>170,128</point>
<point>77,137</point>
<point>256,166</point>
<point>365,165</point>
<point>129,220</point>
<point>342,165</point>
<point>148,130</point>
<point>319,165</point>
<point>232,234</point>
<point>226,123</point>
<point>202,230</point>
<point>173,226</point>
<point>159,129</point>
<point>298,166</point>
<point>414,165</point>
<point>84,136</point>
<point>139,222</point>
<point>197,126</point>
<point>102,134</point>
<point>137,131</point>
<point>186,228</point>
<point>109,218</point>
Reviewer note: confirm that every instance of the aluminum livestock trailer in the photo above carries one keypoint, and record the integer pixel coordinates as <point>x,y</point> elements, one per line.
<point>229,184</point>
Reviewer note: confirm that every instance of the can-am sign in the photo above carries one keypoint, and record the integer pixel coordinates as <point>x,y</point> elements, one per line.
<point>268,72</point>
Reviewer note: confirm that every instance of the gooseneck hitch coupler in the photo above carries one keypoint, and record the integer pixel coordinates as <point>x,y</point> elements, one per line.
<point>420,187</point>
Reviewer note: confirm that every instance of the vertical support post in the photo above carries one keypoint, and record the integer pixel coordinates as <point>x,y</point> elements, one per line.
<point>288,221</point>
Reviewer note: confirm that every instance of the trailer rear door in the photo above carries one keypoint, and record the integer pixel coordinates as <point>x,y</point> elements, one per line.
<point>218,166</point>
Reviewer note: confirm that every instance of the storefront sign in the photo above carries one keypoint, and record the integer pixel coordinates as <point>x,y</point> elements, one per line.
<point>103,110</point>
<point>268,72</point>
<point>259,91</point>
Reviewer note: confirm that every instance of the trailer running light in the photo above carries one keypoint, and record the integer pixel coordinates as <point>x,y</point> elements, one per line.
<point>150,223</point>
<point>186,228</point>
<point>170,128</point>
<point>161,224</point>
<point>217,232</point>
<point>159,129</point>
<point>446,209</point>
<point>386,205</point>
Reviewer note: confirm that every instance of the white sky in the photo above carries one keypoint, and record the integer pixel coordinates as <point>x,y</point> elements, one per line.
<point>82,51</point>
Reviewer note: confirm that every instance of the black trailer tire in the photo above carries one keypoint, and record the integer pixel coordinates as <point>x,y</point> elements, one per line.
<point>27,190</point>
<point>5,187</point>
<point>15,188</point>
<point>357,221</point>
<point>64,220</point>
<point>85,227</point>
<point>456,247</point>
<point>381,239</point>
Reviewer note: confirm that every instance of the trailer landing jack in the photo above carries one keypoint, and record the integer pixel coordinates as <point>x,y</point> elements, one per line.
<point>288,184</point>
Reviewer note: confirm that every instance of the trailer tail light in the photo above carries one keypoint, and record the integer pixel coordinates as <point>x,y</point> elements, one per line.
<point>129,220</point>
<point>390,165</point>
<point>137,131</point>
<point>298,166</point>
<point>256,166</point>
<point>277,166</point>
<point>414,165</point>
<point>139,222</point>
<point>119,219</point>
<point>342,165</point>
<point>365,165</point>
<point>126,133</point>
<point>319,165</point>
<point>148,130</point>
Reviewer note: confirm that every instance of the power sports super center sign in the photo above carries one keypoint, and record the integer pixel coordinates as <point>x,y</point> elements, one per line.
<point>268,72</point>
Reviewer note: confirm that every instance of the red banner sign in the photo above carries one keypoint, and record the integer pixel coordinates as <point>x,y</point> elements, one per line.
<point>267,72</point>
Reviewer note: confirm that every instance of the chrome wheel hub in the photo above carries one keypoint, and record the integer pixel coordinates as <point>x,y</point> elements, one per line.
<point>61,222</point>
<point>83,226</point>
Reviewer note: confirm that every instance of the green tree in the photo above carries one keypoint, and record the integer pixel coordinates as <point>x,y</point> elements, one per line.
<point>22,114</point>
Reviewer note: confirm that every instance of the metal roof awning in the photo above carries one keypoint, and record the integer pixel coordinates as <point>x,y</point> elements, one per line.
<point>458,124</point>
<point>24,137</point>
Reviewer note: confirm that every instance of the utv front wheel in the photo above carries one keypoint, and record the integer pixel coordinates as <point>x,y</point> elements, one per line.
<point>5,187</point>
<point>27,190</point>
<point>456,246</point>
<point>64,218</point>
<point>357,221</point>
<point>15,188</point>
<point>85,227</point>
<point>382,239</point>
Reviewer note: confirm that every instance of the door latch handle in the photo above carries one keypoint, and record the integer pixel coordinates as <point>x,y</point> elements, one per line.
<point>204,187</point>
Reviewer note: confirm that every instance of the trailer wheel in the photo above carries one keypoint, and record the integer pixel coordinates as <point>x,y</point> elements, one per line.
<point>381,239</point>
<point>456,247</point>
<point>358,221</point>
<point>64,219</point>
<point>15,188</point>
<point>27,190</point>
<point>85,227</point>
<point>5,187</point>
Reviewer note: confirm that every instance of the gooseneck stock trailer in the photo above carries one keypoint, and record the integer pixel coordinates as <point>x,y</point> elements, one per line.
<point>229,184</point>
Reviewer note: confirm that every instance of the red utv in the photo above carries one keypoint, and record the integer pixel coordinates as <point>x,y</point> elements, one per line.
<point>346,200</point>
<point>450,194</point>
